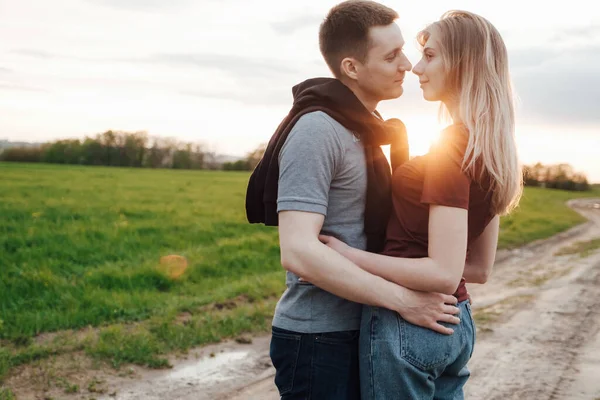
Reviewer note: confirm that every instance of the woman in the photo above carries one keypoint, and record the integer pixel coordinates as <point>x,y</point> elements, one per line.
<point>444,228</point>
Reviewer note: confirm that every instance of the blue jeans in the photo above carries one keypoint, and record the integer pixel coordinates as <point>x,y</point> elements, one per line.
<point>318,366</point>
<point>399,360</point>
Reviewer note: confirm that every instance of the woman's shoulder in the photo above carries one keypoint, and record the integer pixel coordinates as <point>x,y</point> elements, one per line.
<point>452,142</point>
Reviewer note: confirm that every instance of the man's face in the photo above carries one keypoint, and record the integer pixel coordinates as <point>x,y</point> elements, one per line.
<point>382,74</point>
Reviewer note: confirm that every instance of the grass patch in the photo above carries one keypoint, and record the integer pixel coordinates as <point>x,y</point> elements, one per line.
<point>584,248</point>
<point>486,317</point>
<point>149,343</point>
<point>7,394</point>
<point>539,275</point>
<point>541,214</point>
<point>81,248</point>
<point>94,386</point>
<point>81,245</point>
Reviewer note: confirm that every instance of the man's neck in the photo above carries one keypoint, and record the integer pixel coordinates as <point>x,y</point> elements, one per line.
<point>369,103</point>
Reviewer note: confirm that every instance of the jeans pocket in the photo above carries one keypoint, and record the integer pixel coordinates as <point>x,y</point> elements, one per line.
<point>424,348</point>
<point>284,350</point>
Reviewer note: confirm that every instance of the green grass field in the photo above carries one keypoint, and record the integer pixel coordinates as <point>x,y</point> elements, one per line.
<point>80,247</point>
<point>541,213</point>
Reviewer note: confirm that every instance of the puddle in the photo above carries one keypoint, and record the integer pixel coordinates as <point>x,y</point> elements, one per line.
<point>205,378</point>
<point>209,369</point>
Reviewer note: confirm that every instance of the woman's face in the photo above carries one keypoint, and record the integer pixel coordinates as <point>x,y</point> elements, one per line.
<point>431,71</point>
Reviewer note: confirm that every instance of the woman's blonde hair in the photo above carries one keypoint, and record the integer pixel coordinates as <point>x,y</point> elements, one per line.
<point>476,63</point>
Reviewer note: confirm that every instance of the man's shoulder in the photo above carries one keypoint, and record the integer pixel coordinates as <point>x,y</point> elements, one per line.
<point>320,120</point>
<point>315,132</point>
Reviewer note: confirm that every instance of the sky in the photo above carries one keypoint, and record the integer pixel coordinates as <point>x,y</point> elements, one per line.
<point>220,72</point>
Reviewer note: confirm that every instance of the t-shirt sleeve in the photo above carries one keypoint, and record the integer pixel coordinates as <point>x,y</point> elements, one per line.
<point>307,165</point>
<point>445,183</point>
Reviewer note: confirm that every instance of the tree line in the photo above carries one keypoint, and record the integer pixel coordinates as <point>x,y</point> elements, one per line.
<point>555,176</point>
<point>128,149</point>
<point>137,149</point>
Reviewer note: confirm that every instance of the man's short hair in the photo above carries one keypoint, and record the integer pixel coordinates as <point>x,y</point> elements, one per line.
<point>345,30</point>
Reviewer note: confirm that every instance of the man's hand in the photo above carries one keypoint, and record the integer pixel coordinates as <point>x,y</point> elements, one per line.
<point>428,309</point>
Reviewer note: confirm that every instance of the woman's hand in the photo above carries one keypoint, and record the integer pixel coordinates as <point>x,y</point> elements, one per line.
<point>335,244</point>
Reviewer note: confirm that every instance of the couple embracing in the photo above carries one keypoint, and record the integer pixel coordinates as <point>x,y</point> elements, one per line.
<point>378,253</point>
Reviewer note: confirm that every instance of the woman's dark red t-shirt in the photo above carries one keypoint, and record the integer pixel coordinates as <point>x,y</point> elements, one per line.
<point>435,178</point>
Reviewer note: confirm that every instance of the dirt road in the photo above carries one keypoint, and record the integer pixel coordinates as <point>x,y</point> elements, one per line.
<point>546,345</point>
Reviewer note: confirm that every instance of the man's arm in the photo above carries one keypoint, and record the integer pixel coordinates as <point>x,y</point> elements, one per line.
<point>304,255</point>
<point>440,272</point>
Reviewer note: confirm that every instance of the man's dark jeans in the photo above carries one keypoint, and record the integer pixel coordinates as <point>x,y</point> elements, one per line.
<point>316,366</point>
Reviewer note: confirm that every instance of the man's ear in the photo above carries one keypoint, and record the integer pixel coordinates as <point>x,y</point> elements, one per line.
<point>349,68</point>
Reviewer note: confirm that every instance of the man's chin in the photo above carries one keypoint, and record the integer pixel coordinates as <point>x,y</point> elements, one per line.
<point>394,94</point>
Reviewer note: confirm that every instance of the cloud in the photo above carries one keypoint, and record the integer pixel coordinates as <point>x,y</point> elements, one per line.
<point>34,53</point>
<point>563,88</point>
<point>570,42</point>
<point>266,97</point>
<point>21,88</point>
<point>248,80</point>
<point>290,26</point>
<point>237,66</point>
<point>143,5</point>
<point>585,32</point>
<point>557,82</point>
<point>242,67</point>
<point>257,92</point>
<point>531,57</point>
<point>254,82</point>
<point>45,55</point>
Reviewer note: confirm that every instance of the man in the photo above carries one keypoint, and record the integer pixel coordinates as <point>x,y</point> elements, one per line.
<point>324,172</point>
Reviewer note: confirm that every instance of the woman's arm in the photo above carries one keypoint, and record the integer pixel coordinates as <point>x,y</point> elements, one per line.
<point>482,254</point>
<point>440,272</point>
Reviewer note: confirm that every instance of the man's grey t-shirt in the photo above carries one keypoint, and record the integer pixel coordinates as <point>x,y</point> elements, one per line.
<point>322,169</point>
